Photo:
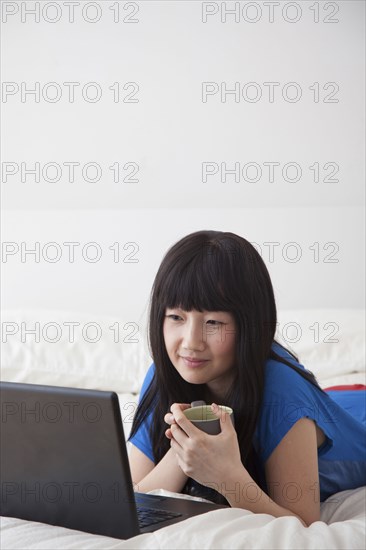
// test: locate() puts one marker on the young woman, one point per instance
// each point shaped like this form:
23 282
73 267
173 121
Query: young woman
211 332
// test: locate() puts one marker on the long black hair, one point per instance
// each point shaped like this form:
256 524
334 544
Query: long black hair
214 271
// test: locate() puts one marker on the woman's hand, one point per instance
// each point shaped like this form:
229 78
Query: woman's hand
169 417
206 458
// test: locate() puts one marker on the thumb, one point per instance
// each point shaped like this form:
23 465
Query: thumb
225 421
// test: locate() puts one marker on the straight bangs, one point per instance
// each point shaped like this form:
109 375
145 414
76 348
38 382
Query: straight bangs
200 283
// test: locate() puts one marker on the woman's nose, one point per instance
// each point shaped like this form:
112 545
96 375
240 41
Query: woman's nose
193 337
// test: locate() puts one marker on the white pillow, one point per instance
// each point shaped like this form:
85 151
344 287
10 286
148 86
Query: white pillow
105 364
97 357
328 342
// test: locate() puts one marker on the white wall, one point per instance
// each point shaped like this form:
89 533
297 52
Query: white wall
334 278
169 133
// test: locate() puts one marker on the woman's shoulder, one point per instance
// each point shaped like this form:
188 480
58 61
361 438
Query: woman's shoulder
280 378
284 353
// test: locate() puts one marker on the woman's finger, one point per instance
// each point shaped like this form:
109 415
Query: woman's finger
169 418
182 406
176 436
183 422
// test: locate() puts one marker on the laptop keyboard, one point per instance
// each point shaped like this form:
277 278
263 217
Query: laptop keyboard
149 516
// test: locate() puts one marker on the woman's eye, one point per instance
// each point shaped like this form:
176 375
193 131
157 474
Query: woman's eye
212 321
173 317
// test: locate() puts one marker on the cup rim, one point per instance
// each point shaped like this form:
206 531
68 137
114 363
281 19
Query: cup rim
225 407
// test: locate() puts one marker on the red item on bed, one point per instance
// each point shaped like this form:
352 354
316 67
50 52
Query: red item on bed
347 387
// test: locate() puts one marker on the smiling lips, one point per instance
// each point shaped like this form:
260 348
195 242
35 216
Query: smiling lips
193 362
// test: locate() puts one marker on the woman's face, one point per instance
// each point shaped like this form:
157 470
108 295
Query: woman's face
201 346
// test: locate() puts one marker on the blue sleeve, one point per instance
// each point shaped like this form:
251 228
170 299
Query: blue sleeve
287 398
141 439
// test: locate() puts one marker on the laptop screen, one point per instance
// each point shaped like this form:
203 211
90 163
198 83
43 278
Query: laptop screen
64 459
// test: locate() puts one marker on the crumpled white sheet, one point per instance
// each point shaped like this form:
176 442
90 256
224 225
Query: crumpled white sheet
342 526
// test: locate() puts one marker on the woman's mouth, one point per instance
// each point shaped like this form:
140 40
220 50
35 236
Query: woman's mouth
190 362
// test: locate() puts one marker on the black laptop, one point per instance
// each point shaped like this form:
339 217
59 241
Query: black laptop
64 462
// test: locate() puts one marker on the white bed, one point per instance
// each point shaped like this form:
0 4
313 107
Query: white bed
328 342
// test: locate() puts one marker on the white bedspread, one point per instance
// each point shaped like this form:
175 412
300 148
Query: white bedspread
342 526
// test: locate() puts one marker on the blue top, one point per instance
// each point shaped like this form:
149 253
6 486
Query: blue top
341 414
